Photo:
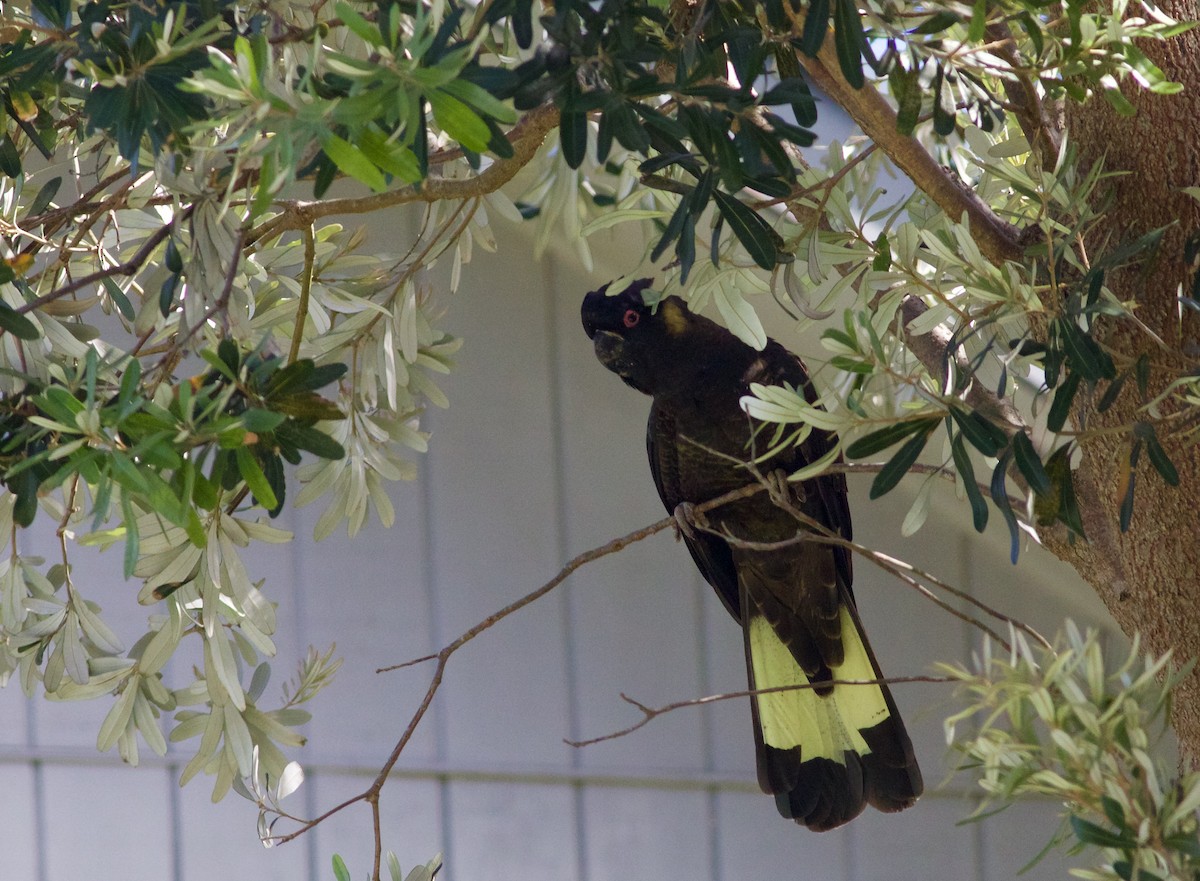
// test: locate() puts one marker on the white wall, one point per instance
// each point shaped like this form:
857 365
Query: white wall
539 457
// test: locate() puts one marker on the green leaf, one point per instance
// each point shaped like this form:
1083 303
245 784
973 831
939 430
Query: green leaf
256 480
847 37
882 438
1030 463
1000 500
1110 394
310 440
751 230
261 421
480 99
673 229
899 464
1119 102
460 122
966 473
16 324
119 299
905 86
353 161
393 158
983 434
1158 456
362 28
816 23
1083 352
572 136
1061 408
978 21
1113 810
166 294
944 118
340 872
10 159
794 91
1090 833
45 194
131 535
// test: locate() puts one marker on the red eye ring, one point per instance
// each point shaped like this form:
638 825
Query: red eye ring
631 317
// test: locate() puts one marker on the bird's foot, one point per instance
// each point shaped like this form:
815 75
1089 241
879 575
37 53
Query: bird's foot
688 520
781 491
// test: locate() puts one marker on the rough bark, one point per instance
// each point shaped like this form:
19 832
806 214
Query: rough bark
1149 577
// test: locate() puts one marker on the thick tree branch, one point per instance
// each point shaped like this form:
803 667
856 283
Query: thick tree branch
933 351
997 239
1041 129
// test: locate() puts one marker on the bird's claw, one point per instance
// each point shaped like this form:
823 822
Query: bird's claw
780 489
687 521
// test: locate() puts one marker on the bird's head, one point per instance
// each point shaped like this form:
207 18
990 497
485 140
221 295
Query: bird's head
633 337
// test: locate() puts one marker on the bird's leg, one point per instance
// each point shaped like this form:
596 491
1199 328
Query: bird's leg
688 520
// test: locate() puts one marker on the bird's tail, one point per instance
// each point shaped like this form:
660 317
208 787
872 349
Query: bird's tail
825 754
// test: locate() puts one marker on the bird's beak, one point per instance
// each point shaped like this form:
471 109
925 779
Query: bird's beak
608 347
590 311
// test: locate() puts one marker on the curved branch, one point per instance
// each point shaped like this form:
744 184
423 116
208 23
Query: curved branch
997 239
526 138
650 713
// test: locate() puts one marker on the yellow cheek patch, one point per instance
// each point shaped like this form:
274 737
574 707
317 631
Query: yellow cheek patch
673 317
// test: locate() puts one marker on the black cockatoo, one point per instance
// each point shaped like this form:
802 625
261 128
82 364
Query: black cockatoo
825 752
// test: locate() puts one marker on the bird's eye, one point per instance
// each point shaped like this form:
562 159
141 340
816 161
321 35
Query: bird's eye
632 317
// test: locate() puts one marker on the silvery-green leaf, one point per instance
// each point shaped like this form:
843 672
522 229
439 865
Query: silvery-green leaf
237 737
740 317
226 774
12 596
265 532
252 641
69 690
289 781
251 601
127 747
147 723
915 518
258 682
271 728
118 718
75 655
163 644
220 671
175 566
55 669
100 634
209 743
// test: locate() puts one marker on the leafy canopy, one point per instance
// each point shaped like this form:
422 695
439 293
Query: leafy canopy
177 326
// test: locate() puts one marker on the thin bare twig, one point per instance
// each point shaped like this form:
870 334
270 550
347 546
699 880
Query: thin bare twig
125 267
371 793
649 713
310 259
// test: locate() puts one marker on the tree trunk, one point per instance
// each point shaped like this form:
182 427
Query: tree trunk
1149 576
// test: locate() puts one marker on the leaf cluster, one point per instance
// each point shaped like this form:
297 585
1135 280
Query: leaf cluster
247 415
1064 723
